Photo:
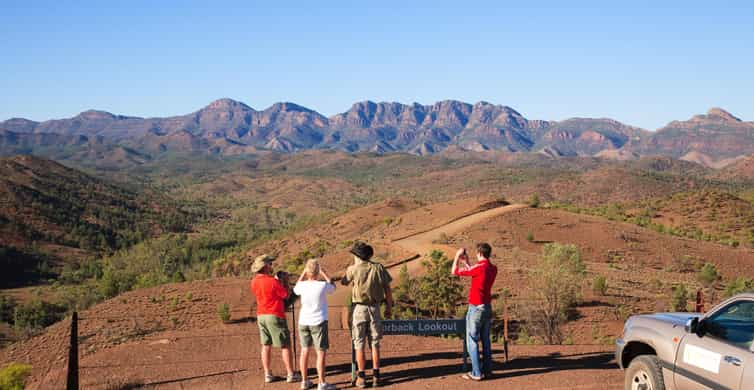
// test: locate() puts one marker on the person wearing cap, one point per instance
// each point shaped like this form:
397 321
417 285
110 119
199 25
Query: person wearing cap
271 293
312 323
371 287
479 314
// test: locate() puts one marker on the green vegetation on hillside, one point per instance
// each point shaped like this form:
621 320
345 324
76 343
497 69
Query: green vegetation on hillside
706 215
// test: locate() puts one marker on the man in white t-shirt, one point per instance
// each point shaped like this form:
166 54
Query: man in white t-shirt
312 323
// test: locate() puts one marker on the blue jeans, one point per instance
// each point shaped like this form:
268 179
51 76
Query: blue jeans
478 327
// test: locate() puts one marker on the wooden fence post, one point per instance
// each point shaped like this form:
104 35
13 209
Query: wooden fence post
505 330
699 301
73 354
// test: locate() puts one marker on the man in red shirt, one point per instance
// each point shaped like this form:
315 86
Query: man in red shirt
478 317
271 292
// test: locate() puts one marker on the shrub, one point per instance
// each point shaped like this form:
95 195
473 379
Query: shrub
442 239
599 285
13 376
534 201
189 297
708 275
738 285
679 298
530 237
556 284
223 312
7 306
36 315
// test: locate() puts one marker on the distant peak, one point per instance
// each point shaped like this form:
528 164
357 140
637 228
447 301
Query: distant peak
226 104
288 107
96 114
722 114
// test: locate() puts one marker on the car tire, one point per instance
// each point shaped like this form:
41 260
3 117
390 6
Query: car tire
644 373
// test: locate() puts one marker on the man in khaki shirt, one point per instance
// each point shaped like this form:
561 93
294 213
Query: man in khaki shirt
371 287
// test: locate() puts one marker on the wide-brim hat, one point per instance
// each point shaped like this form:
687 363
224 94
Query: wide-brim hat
261 261
362 250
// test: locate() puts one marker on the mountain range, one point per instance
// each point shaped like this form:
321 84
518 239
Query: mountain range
229 127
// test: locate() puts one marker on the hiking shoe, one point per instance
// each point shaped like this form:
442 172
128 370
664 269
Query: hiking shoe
269 378
470 377
293 378
376 381
306 384
325 386
361 383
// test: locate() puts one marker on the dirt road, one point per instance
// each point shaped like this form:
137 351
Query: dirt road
423 243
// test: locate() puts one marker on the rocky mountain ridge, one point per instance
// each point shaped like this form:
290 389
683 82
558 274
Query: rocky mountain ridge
229 127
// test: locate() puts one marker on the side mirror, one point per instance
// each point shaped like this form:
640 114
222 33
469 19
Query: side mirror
692 325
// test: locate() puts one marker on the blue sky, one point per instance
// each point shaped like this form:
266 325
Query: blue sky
637 62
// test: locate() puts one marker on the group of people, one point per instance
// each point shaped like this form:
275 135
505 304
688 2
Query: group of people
370 288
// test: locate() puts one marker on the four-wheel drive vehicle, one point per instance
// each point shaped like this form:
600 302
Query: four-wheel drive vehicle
690 350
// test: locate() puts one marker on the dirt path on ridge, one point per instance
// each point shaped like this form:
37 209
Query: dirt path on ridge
423 243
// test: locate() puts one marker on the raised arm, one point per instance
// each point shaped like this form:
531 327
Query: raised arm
330 286
460 258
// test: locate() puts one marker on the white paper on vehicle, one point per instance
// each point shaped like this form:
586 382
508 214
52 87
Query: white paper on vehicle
702 358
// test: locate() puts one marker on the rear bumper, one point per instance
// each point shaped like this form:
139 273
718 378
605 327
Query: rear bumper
619 345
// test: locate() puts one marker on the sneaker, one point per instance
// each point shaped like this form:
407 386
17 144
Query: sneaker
293 378
376 381
269 378
306 384
325 386
470 376
361 383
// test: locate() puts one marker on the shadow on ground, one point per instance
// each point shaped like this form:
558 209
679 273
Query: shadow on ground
521 366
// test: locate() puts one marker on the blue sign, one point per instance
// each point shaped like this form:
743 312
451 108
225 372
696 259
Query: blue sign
423 327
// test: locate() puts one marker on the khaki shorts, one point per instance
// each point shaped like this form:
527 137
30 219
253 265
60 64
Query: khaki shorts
315 335
273 330
367 323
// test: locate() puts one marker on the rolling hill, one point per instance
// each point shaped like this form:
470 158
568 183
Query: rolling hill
55 214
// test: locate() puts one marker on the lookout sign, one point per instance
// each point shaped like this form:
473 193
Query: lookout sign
419 328
423 327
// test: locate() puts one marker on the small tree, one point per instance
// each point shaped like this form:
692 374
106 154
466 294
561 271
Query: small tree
599 285
534 201
555 284
439 291
405 294
679 298
708 275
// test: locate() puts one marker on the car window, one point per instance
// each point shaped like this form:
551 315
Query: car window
734 324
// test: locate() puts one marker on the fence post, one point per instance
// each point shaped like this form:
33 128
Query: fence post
465 353
354 368
293 339
505 330
699 301
73 354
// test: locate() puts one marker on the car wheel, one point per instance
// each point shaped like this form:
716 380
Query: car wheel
644 373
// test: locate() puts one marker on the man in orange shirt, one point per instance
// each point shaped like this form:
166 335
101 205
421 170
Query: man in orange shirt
271 293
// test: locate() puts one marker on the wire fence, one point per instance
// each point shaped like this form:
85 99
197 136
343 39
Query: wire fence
95 332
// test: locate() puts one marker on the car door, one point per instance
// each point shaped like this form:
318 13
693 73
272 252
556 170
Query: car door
717 359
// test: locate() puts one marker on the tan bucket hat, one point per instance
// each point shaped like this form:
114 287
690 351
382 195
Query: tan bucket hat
261 261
